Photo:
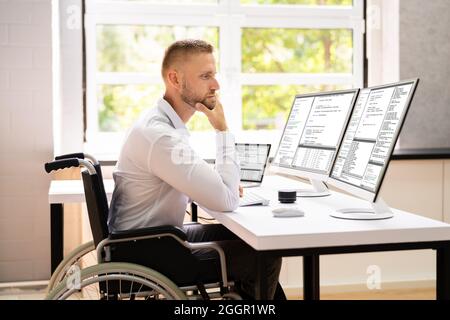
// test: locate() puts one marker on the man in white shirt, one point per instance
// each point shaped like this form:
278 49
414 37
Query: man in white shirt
158 173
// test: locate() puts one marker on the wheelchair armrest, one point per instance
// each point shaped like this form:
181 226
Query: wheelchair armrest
151 231
167 230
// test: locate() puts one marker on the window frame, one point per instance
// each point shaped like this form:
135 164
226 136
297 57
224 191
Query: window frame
229 16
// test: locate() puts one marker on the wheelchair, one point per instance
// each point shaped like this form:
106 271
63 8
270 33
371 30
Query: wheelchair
153 263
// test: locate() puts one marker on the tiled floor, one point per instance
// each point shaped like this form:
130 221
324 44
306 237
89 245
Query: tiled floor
22 294
398 294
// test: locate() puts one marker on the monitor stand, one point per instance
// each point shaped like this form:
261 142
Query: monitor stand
319 189
379 211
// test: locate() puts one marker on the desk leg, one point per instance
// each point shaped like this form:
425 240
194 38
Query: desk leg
311 277
194 214
443 273
261 284
56 234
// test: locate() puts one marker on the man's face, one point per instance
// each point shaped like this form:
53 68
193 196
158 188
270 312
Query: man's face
198 80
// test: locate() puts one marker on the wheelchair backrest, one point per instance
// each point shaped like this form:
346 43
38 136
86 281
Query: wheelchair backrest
97 204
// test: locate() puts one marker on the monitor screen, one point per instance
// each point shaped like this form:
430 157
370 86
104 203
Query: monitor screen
253 159
314 130
371 135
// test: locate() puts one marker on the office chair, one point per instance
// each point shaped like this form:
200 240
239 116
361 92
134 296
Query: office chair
150 263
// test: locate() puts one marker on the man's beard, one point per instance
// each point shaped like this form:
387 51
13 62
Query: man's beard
191 99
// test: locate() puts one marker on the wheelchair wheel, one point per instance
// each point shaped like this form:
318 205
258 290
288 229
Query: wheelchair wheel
74 258
118 281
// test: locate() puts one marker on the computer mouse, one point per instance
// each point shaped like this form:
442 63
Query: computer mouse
286 212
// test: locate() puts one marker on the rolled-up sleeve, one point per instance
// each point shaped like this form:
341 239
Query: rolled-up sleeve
173 160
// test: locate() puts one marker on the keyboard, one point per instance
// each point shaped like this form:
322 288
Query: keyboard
250 199
248 184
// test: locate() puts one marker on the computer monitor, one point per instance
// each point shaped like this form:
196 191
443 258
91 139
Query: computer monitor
368 143
311 137
253 158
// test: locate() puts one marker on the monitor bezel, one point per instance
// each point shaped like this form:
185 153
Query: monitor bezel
358 191
277 168
265 163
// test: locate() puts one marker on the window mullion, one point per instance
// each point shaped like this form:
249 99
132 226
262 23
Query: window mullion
92 128
358 8
230 44
258 79
156 19
127 78
145 8
296 23
358 53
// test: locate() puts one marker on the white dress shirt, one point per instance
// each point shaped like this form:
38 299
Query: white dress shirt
158 172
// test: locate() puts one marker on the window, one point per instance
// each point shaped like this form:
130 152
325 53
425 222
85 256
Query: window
267 51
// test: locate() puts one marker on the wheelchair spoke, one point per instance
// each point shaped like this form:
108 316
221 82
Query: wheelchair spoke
107 288
139 290
131 288
120 289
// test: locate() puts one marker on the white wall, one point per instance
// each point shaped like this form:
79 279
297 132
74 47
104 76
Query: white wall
409 39
425 53
25 138
383 41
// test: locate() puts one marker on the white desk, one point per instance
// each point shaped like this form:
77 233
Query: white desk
71 191
318 233
311 236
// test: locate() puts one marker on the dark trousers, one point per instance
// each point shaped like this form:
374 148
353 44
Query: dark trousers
240 257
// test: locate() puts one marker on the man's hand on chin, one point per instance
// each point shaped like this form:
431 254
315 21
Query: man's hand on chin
215 116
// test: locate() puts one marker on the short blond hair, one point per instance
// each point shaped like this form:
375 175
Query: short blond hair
182 48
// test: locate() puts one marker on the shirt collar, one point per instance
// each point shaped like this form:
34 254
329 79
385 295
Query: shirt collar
166 108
